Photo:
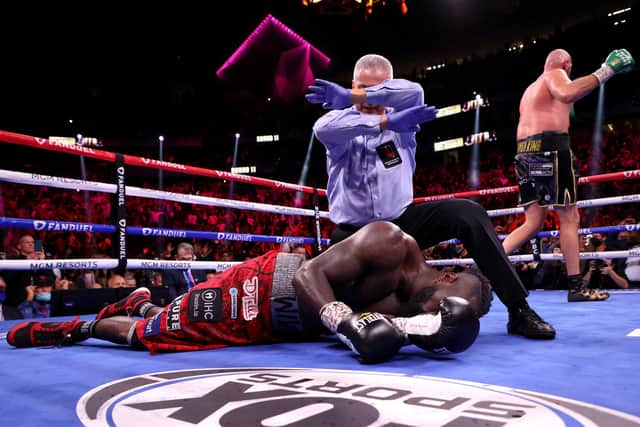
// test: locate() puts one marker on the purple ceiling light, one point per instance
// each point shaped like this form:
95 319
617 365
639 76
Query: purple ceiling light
275 53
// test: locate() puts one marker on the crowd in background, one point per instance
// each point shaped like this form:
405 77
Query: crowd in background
618 149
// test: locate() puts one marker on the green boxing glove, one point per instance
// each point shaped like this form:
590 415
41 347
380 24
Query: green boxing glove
618 61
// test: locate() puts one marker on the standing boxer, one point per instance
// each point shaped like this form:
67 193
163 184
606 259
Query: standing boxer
544 164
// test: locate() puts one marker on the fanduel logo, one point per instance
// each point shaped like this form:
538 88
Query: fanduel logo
234 236
319 397
282 239
163 232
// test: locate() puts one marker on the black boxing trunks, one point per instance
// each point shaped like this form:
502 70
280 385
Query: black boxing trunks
546 170
250 303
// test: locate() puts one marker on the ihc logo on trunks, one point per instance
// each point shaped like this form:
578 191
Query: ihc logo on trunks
321 397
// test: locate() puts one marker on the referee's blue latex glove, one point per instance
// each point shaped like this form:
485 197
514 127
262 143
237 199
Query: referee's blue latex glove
329 94
409 120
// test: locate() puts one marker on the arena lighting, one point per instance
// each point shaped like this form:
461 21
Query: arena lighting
89 142
67 140
473 139
268 138
243 169
472 104
268 23
352 6
78 140
474 165
619 11
434 67
596 149
287 62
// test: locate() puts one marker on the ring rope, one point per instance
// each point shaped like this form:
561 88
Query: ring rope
543 257
146 264
78 184
110 263
43 143
581 231
46 144
152 163
604 201
607 177
70 226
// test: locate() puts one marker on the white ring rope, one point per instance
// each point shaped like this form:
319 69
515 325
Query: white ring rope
110 263
152 264
631 198
78 184
543 257
91 263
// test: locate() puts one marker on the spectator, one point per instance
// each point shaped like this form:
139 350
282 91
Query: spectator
632 267
18 280
180 281
156 279
551 274
604 273
7 312
117 281
130 279
38 301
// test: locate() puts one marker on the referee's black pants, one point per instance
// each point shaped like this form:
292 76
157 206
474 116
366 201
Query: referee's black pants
433 222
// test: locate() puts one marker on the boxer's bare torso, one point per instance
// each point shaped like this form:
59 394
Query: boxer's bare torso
540 111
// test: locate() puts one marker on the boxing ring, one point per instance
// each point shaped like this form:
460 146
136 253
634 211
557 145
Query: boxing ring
587 376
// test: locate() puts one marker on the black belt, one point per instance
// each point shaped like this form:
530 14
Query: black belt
545 141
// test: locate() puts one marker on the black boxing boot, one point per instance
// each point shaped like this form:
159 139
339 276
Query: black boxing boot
526 322
578 291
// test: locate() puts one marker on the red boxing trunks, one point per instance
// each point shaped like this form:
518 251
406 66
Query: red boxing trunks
250 303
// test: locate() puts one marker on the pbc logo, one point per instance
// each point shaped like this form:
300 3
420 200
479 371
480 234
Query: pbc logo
250 299
145 160
146 231
41 141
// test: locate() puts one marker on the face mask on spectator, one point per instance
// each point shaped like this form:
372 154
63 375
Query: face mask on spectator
596 242
43 297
